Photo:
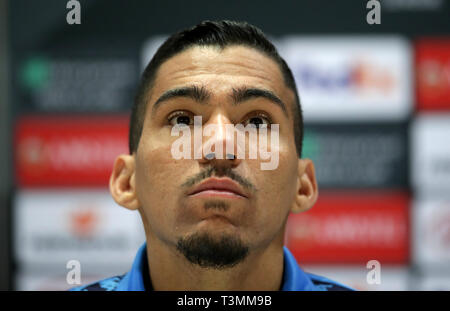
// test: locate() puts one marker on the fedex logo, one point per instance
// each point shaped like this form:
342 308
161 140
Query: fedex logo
358 77
351 78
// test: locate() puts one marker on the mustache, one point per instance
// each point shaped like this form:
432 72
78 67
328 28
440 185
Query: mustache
219 172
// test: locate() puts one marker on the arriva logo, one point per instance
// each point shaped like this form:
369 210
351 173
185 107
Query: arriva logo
358 77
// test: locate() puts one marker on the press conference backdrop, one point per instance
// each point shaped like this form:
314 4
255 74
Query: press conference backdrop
376 101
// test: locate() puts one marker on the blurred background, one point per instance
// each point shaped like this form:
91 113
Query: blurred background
376 102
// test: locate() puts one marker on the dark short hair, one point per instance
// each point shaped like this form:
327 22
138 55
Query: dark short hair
220 34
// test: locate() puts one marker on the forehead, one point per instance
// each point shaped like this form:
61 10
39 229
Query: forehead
220 70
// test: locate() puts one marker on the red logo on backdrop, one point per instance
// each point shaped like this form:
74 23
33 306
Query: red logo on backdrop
351 227
433 74
68 151
83 223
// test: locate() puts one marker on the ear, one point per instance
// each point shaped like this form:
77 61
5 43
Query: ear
122 182
307 190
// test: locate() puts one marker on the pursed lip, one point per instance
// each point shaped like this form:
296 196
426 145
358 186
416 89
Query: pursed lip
218 186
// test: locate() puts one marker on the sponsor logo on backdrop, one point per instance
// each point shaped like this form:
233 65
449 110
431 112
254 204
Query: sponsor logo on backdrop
351 227
84 222
360 77
54 226
68 151
358 156
351 78
430 165
440 228
432 233
433 73
53 83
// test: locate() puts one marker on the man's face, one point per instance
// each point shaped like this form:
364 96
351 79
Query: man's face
164 185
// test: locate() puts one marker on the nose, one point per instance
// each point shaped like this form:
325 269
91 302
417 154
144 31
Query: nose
219 146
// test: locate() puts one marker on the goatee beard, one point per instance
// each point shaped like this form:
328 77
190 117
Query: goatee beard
207 251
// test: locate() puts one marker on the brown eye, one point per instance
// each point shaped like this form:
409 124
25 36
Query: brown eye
258 120
180 118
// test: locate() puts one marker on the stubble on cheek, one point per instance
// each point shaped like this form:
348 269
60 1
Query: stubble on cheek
157 172
157 178
276 195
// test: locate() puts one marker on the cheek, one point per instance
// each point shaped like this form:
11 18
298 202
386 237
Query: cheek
279 182
276 189
157 179
156 163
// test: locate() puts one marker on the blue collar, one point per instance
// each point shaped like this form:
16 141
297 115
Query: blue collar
294 279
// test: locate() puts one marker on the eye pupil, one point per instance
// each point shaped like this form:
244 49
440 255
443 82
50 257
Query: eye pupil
183 120
256 121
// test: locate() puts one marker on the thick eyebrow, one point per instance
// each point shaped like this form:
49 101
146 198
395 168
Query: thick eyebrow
244 93
199 94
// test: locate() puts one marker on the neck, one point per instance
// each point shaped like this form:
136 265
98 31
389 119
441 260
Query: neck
262 269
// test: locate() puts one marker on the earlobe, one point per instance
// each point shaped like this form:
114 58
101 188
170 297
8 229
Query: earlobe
122 182
307 189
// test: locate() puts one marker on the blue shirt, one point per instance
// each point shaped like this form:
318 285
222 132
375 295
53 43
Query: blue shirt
138 278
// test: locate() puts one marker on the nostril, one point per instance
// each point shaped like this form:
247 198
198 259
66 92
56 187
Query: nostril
212 156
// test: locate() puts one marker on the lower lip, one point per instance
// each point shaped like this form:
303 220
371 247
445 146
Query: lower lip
218 193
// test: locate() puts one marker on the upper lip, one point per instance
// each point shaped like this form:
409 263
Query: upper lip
224 184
